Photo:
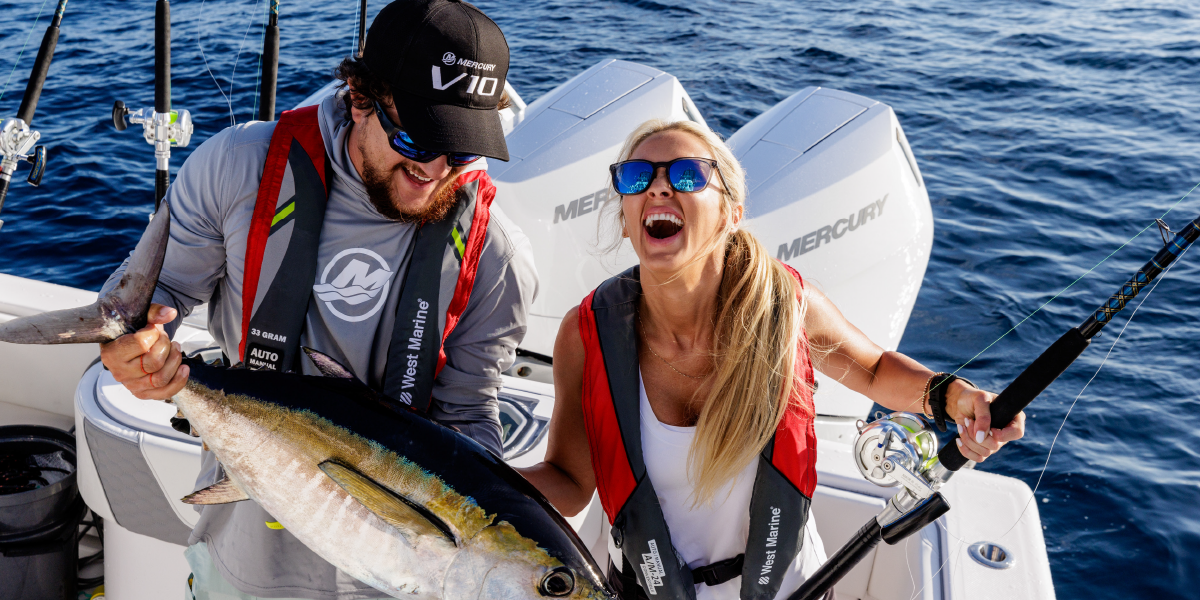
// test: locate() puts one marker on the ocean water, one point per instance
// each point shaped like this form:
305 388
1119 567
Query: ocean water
1048 133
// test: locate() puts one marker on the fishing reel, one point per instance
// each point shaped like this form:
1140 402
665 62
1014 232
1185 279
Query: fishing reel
895 449
17 143
174 128
900 449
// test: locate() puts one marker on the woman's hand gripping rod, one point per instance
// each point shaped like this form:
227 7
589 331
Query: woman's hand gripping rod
896 450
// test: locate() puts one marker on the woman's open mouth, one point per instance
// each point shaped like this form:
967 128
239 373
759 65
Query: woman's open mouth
661 226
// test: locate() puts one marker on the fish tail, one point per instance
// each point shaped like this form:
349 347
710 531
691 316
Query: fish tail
122 310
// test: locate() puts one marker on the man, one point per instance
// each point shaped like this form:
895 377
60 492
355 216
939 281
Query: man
360 228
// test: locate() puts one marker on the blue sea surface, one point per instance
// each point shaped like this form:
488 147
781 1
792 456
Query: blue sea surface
1048 133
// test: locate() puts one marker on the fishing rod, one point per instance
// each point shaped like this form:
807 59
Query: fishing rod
270 65
162 127
900 449
362 27
17 140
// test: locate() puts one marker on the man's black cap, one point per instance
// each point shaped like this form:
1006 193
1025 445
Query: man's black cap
446 63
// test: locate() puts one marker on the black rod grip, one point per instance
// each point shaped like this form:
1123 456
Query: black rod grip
1035 378
3 191
270 72
162 179
162 57
841 563
37 77
916 519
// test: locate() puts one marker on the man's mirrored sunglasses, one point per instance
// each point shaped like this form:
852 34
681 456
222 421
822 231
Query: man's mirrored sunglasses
404 145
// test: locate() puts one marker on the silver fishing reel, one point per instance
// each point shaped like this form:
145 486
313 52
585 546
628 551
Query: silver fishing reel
900 450
897 449
170 129
17 143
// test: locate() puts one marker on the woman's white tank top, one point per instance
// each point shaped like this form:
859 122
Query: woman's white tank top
706 534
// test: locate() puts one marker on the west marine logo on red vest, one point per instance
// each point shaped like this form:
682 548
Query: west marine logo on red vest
783 484
286 230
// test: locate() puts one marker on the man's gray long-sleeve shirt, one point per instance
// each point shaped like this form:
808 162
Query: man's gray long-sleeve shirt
212 200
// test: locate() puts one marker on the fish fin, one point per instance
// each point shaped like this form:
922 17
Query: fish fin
122 310
327 365
412 520
86 324
221 492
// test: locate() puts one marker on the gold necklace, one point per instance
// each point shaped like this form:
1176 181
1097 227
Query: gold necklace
646 340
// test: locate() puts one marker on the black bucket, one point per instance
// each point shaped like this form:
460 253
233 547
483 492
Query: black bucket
40 511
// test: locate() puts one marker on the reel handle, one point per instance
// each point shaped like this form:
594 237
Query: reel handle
38 160
118 116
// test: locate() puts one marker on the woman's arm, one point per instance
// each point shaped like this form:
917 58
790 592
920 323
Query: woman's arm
841 351
566 477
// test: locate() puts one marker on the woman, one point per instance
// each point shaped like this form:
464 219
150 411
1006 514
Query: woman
690 377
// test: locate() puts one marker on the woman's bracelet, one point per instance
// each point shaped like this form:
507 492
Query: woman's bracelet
937 387
925 399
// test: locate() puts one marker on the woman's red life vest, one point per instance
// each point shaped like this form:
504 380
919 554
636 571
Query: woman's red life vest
783 485
281 262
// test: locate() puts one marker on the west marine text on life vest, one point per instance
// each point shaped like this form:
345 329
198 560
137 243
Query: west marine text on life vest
409 379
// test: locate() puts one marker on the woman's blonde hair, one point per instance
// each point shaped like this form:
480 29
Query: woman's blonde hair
759 324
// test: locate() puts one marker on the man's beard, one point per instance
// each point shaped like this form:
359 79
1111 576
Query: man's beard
379 190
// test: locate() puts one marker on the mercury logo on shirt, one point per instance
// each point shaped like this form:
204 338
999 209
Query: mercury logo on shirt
360 288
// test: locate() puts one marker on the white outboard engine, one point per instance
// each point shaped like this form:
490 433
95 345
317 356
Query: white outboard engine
834 191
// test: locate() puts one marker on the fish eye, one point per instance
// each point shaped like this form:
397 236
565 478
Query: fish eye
558 582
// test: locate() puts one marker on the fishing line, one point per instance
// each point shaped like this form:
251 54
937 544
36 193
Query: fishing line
233 76
920 399
22 52
199 34
1077 280
932 576
1042 474
1049 454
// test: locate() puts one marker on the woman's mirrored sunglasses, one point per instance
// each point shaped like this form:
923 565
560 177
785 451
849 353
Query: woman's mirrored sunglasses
404 145
684 174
